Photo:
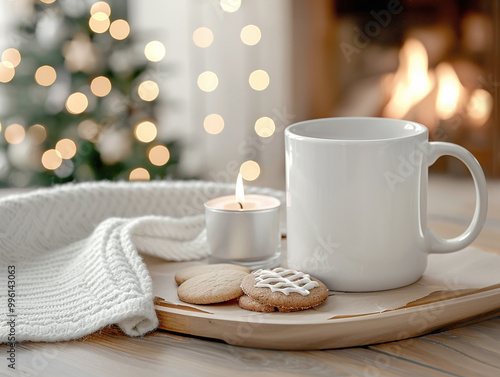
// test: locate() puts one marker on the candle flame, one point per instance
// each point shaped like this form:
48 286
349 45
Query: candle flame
240 192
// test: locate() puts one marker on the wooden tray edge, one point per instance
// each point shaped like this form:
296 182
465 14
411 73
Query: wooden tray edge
259 332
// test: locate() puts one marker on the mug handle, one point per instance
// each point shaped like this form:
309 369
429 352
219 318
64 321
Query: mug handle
436 244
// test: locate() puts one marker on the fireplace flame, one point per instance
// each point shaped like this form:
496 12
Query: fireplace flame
411 82
449 91
429 96
479 107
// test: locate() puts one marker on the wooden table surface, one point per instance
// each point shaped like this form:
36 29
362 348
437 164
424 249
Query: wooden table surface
472 350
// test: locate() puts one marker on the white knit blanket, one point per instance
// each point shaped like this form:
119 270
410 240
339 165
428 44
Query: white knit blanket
75 248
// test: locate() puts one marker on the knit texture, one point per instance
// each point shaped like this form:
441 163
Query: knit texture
75 251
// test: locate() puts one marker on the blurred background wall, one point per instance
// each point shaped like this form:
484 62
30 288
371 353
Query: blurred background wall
164 89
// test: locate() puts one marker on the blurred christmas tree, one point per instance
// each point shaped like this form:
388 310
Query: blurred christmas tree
80 100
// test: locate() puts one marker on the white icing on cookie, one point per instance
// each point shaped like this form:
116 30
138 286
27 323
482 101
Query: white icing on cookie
284 280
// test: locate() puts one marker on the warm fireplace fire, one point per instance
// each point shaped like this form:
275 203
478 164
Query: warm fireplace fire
431 96
437 63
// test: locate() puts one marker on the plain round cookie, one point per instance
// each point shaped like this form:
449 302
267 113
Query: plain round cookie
190 272
248 303
292 301
212 287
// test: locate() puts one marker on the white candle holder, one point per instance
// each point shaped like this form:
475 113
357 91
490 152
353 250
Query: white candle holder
246 236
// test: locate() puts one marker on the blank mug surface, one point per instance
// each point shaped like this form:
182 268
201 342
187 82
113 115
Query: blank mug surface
356 201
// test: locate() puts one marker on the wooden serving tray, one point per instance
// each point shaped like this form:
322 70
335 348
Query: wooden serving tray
325 326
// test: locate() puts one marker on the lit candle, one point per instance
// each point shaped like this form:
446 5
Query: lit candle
244 229
242 202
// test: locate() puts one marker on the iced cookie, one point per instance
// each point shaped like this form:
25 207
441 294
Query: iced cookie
284 288
212 287
189 272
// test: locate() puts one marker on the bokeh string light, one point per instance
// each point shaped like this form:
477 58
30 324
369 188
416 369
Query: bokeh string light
99 22
100 86
203 37
7 71
77 103
265 127
145 131
88 130
250 35
45 75
259 80
154 51
159 155
100 6
13 56
51 159
250 170
208 81
213 124
66 148
230 6
119 29
37 134
14 133
148 90
139 174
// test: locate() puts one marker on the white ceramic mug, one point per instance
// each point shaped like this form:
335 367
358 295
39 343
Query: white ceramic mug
357 201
